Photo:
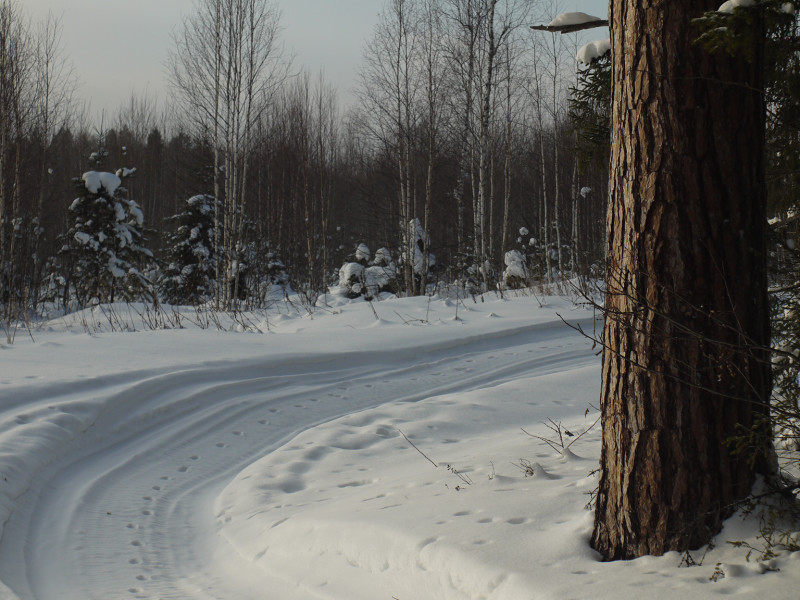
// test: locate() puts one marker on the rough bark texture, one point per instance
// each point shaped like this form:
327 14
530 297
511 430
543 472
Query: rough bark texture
684 366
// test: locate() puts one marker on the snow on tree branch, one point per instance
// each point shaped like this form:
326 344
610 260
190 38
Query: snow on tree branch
571 22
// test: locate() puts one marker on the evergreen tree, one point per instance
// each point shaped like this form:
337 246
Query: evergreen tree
189 255
103 252
590 110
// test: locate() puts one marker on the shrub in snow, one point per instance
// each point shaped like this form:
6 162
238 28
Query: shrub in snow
515 275
351 279
367 279
103 255
469 275
266 273
189 260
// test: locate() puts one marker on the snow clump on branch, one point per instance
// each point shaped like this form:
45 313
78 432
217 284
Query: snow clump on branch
572 18
593 50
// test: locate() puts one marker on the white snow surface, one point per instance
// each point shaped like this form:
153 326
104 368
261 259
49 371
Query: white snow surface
572 18
592 51
206 464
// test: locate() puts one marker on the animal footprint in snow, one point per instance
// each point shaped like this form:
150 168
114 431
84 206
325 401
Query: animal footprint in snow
239 433
183 469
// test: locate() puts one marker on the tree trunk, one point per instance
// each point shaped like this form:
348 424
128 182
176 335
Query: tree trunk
685 365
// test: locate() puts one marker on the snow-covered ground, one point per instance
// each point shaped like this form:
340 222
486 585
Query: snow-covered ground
343 454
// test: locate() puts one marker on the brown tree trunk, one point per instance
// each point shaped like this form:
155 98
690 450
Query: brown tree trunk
684 368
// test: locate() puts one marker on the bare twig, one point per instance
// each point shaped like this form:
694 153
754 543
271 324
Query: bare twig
418 450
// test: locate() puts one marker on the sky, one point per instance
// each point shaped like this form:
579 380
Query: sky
120 46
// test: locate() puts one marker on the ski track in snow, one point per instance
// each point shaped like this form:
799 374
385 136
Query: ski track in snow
103 517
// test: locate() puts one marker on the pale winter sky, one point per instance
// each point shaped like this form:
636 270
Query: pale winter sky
120 46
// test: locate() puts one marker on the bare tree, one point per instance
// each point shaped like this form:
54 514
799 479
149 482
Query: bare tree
16 63
226 66
390 85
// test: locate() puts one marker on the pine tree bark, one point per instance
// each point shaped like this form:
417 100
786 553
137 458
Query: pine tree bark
685 368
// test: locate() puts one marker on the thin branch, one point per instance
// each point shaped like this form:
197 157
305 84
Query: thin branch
418 450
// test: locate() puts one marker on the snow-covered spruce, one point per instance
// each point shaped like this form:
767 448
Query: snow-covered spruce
103 255
190 263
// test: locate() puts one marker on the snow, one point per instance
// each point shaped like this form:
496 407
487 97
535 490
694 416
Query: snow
362 252
593 51
202 463
125 172
84 239
572 18
94 180
730 5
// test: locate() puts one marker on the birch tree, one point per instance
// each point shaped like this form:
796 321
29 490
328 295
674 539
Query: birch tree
226 66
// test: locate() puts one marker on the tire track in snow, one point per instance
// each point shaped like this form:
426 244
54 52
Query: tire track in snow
127 509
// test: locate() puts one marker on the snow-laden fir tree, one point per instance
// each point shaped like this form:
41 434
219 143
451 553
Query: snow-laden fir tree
103 255
189 258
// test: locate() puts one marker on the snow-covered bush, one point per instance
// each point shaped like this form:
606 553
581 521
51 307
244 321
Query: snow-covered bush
515 275
267 273
103 256
189 262
368 279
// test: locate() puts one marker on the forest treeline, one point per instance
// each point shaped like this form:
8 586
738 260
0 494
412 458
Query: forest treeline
458 150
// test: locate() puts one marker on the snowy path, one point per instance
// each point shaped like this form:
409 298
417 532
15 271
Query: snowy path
127 510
